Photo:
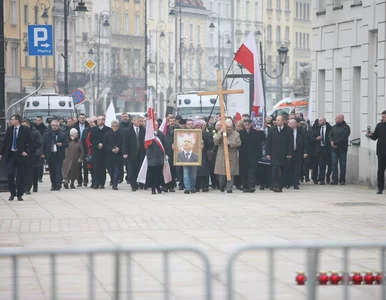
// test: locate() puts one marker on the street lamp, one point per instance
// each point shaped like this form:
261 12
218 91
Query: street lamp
103 21
213 17
81 7
172 13
160 27
42 5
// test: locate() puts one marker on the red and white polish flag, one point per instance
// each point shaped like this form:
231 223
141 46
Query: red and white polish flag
247 56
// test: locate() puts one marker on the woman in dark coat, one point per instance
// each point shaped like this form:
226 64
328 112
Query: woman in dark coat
203 171
73 156
114 157
155 160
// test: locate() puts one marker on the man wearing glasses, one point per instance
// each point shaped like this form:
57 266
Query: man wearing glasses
54 144
15 149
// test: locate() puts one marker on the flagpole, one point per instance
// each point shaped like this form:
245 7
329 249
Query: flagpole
262 78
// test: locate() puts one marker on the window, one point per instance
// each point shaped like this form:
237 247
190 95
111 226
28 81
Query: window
287 33
256 11
269 4
152 8
278 36
338 3
297 10
191 33
137 25
13 12
304 11
300 10
321 6
287 5
308 41
26 60
14 60
297 40
198 34
269 32
300 41
126 24
304 41
26 13
278 4
228 10
219 8
238 10
161 68
161 6
247 11
171 68
308 12
211 6
126 66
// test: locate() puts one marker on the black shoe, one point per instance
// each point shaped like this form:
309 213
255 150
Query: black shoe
205 190
379 192
222 190
72 186
277 190
333 183
58 187
111 183
79 185
35 189
181 188
115 188
141 187
296 187
342 183
328 180
20 198
186 192
53 188
153 191
261 188
172 191
40 180
287 186
65 184
95 187
102 187
229 191
134 189
11 197
159 190
322 183
28 192
193 191
85 184
307 179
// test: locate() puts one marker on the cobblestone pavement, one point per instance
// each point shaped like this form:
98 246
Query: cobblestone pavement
215 222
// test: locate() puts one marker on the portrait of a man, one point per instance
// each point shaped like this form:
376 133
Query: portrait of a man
187 151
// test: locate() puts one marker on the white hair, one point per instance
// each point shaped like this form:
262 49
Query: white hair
73 131
228 122
114 122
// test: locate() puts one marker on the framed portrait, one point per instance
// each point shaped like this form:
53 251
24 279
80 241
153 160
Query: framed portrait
187 145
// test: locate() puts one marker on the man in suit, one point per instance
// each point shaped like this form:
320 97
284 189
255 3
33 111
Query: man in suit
125 121
39 125
97 139
279 150
81 125
250 152
15 150
300 152
134 150
323 150
55 142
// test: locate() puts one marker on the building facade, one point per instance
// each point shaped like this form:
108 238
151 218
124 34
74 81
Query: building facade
348 74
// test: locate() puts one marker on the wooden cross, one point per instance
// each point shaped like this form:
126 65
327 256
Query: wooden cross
220 92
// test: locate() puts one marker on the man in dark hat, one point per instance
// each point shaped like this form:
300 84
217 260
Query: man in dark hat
250 152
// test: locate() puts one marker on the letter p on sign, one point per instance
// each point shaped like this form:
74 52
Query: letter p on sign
42 38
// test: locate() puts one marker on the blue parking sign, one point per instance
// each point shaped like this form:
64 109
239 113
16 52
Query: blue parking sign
40 40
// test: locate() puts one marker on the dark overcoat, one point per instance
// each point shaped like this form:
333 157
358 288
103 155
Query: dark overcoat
280 145
114 139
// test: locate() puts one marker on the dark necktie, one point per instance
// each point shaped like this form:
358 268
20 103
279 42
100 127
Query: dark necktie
15 139
187 156
137 134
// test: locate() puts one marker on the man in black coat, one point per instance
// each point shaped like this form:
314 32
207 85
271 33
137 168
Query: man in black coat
300 152
81 125
15 150
169 141
279 150
55 142
31 173
380 135
97 139
134 150
322 150
250 152
39 125
125 121
338 139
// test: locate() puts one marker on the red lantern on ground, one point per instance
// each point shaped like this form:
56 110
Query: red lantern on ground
369 278
378 278
335 278
357 278
323 278
301 278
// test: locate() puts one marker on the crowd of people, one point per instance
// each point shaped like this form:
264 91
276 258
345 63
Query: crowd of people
281 155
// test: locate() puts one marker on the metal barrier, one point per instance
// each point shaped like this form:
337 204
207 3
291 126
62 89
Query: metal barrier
15 254
312 251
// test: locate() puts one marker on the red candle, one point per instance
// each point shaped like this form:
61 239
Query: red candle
335 278
357 278
369 278
301 278
378 278
323 278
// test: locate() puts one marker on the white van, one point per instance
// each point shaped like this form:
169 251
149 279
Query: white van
189 105
48 106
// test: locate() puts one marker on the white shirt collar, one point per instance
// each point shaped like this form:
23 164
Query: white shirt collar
101 127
